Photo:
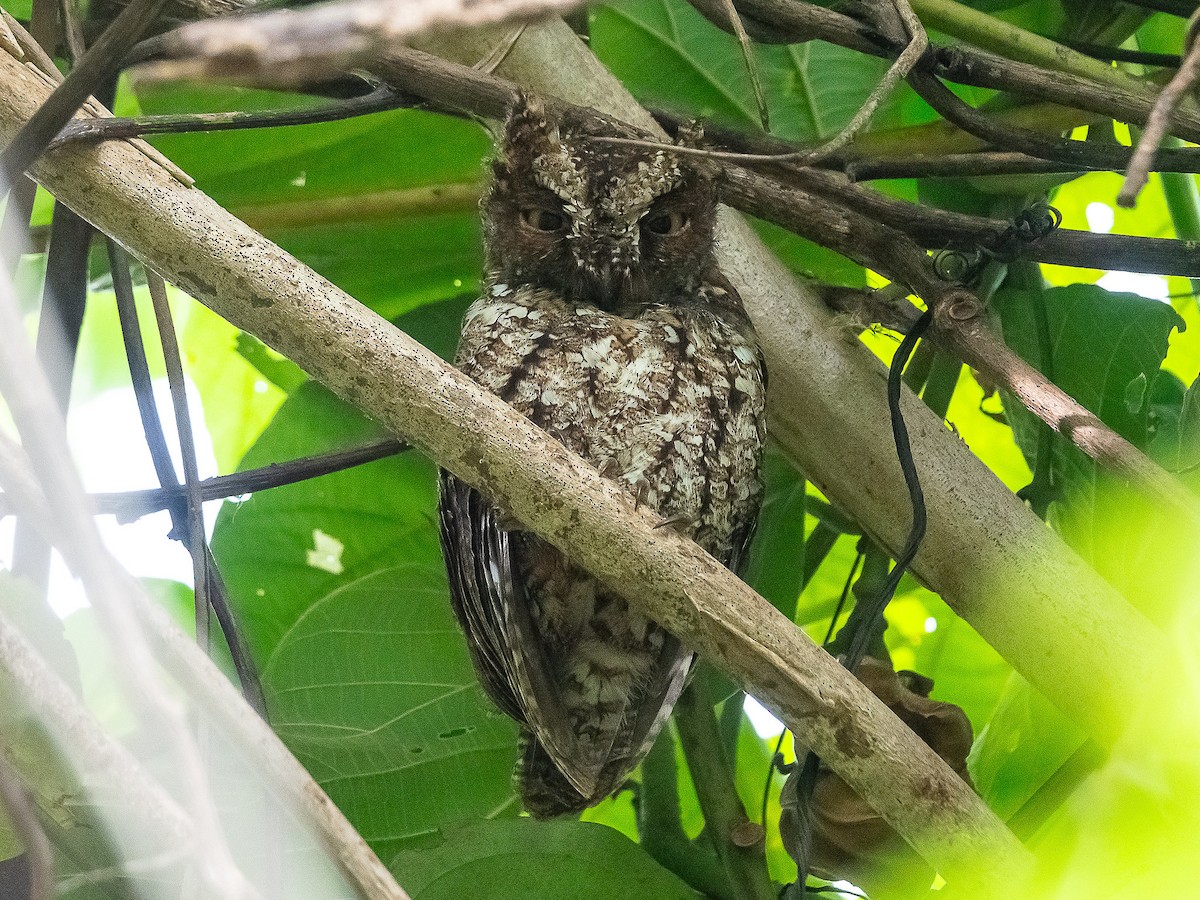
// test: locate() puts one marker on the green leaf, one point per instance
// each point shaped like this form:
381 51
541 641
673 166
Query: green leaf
238 401
284 549
666 52
524 860
277 369
374 692
390 263
19 9
1024 743
776 564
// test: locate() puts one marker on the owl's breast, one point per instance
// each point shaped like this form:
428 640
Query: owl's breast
671 403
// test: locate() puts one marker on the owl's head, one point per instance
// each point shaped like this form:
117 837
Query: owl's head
610 225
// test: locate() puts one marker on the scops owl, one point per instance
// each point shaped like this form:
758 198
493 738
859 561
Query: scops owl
604 320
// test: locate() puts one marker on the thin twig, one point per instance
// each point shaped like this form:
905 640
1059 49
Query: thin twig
143 386
492 61
918 41
743 39
194 536
1159 123
210 590
1062 150
737 841
24 820
101 61
1120 54
86 130
128 506
957 165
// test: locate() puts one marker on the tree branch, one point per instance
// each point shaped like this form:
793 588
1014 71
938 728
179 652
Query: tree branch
1159 122
472 433
300 45
15 800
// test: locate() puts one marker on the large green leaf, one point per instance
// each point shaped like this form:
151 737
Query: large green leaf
391 263
373 690
1024 743
525 860
282 550
1105 350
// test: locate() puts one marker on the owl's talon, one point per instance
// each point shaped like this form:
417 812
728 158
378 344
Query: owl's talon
677 519
609 467
641 490
507 522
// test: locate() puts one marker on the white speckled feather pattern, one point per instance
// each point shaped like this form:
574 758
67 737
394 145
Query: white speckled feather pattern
648 368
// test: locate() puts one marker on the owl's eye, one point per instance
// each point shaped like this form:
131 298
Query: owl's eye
541 219
667 222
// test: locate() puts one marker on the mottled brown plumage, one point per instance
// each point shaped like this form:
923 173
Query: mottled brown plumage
605 320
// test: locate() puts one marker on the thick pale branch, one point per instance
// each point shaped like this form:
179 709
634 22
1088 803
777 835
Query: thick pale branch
998 565
179 654
115 779
258 287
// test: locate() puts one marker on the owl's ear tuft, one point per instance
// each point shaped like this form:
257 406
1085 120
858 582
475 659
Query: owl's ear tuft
690 134
527 125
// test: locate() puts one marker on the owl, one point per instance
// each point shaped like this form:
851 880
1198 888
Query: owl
605 320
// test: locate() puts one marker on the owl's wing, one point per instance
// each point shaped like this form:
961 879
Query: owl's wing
507 652
670 679
675 663
743 536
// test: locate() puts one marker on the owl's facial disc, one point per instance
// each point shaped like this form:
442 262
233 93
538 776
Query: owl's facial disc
602 224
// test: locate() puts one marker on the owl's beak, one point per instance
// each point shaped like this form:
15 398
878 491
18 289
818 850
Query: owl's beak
606 286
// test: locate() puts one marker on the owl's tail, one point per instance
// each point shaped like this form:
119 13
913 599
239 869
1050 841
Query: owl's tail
544 790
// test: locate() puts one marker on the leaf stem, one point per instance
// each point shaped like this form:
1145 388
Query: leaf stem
725 818
660 827
1002 37
1183 202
